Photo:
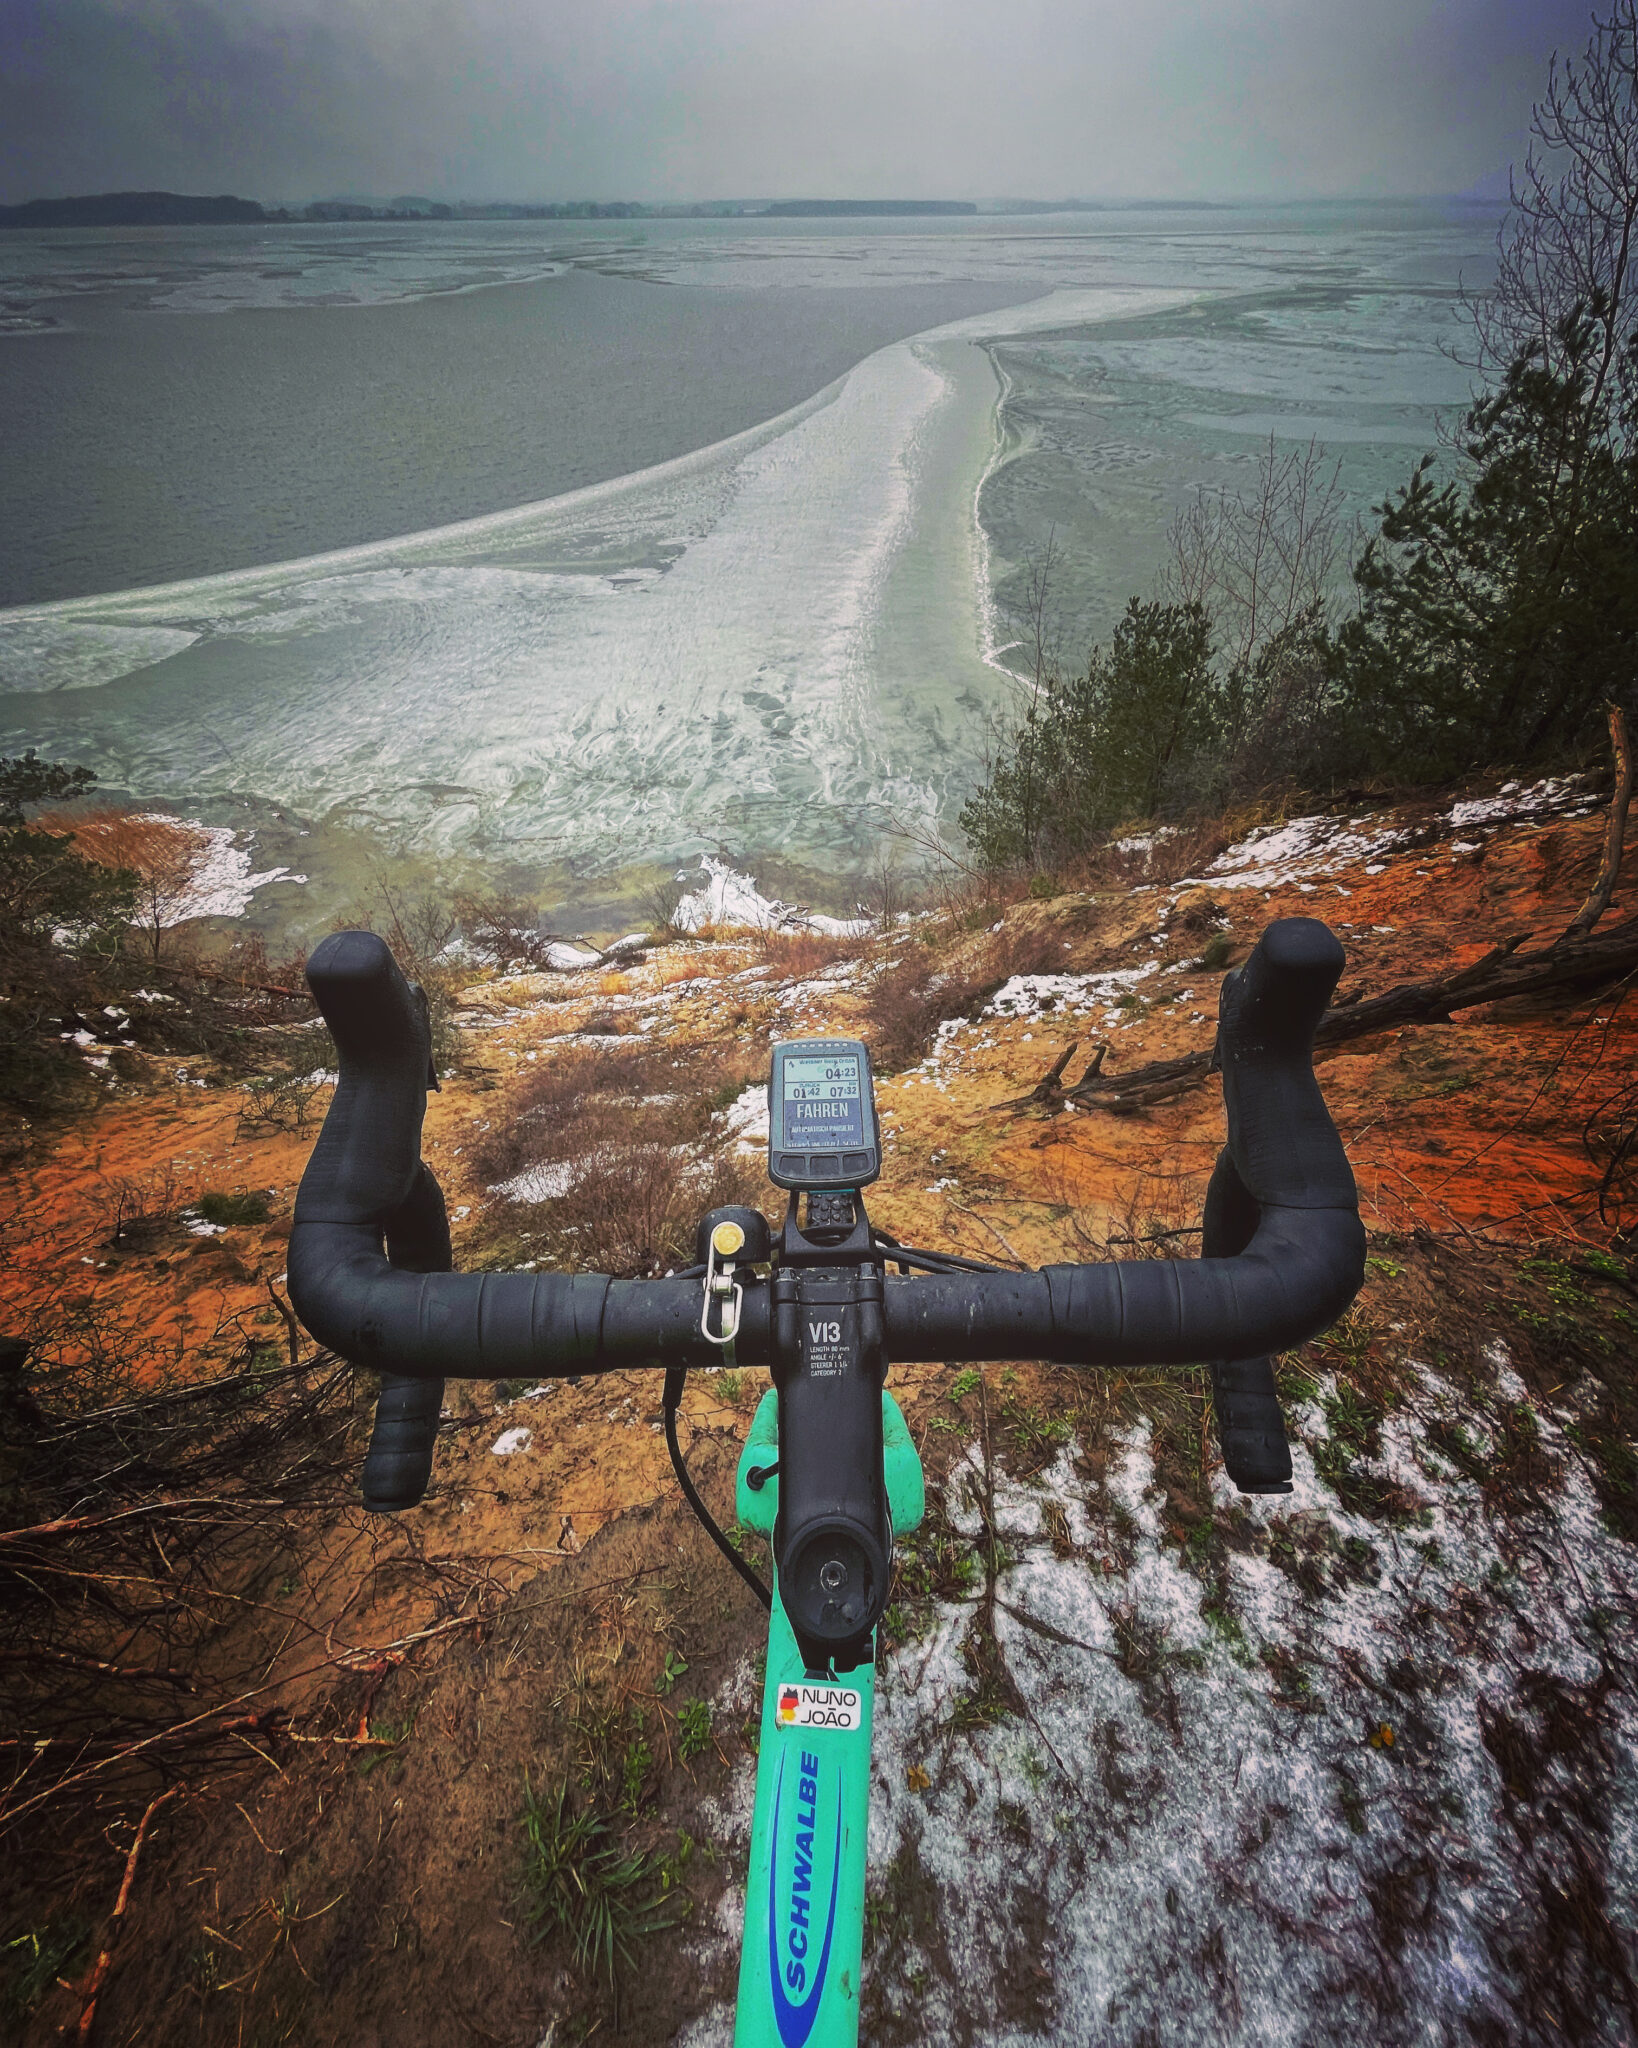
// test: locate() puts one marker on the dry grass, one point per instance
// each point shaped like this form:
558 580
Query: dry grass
630 1151
912 996
1172 855
796 953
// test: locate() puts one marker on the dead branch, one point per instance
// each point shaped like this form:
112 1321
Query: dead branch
1502 974
198 973
69 1524
36 1653
98 1974
288 1316
1049 1090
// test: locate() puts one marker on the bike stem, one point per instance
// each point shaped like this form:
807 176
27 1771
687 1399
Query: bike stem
833 1540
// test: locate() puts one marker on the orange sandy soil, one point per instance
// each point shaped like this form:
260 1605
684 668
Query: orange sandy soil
1472 1124
1463 1127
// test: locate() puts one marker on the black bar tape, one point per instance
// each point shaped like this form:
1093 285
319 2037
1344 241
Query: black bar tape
398 1463
1245 1405
366 1197
1250 1427
1285 1193
1288 1253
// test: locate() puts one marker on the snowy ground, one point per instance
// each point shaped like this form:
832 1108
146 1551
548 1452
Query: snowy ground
1308 849
1333 1779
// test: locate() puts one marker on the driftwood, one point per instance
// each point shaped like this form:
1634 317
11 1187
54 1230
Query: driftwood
1577 957
1050 1092
1503 972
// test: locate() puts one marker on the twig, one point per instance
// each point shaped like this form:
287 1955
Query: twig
66 1525
1050 1088
292 1327
98 1975
983 1224
261 988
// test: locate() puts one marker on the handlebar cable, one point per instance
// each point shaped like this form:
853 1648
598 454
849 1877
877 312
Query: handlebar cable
905 1256
676 1377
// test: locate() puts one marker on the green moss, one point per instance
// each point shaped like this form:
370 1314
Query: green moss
232 1210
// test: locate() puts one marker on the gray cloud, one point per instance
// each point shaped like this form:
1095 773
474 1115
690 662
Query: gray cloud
684 99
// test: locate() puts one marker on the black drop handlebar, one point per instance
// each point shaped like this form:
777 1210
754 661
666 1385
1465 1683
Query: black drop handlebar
1284 1250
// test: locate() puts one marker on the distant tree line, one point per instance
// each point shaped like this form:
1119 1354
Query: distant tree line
1487 618
186 210
182 209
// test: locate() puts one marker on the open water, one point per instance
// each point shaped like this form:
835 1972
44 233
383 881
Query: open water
506 544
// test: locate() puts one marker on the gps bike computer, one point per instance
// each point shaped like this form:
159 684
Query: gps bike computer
822 1128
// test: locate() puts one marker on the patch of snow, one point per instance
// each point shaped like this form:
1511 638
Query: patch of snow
1025 994
747 1118
220 883
1274 855
538 1184
730 898
566 958
1540 800
511 1441
1193 1793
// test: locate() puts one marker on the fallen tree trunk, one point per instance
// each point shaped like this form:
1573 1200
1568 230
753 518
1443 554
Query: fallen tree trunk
1502 973
1576 958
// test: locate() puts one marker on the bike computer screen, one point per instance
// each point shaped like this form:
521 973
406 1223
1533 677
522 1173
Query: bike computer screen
822 1129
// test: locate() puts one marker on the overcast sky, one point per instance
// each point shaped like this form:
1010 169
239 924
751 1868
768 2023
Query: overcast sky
698 99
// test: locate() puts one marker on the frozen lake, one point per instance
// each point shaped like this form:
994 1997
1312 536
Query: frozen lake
776 643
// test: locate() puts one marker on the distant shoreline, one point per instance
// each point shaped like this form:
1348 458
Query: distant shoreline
181 209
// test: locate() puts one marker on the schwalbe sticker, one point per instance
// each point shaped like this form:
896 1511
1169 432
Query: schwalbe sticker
797 1976
816 1708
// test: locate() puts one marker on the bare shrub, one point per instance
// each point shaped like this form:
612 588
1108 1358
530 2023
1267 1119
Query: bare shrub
661 906
163 855
1188 850
631 1207
799 952
139 1625
419 929
135 1209
1156 1216
1263 563
508 929
889 893
281 1100
912 996
616 1151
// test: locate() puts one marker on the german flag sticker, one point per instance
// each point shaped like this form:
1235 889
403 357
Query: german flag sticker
787 1704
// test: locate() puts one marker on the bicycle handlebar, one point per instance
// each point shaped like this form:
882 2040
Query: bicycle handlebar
1284 1249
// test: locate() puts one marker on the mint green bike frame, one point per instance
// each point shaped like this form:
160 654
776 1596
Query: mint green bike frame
805 1890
